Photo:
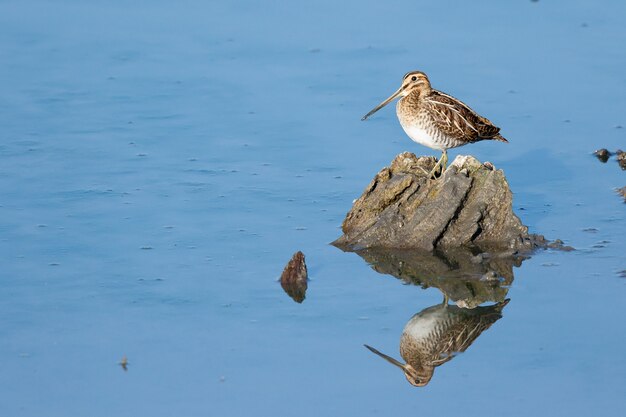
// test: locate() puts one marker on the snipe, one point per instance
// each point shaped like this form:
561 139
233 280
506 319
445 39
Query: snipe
437 120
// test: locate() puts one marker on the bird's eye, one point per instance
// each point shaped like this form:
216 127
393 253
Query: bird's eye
413 78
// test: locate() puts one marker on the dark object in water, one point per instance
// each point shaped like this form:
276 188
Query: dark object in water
470 206
602 155
294 277
124 363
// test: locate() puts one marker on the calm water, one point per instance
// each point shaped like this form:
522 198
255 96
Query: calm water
161 162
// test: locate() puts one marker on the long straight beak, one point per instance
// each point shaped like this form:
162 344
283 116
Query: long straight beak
387 358
384 103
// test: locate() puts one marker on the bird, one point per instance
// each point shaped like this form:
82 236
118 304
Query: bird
437 120
436 334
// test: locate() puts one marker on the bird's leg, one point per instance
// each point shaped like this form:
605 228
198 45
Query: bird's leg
431 174
445 300
428 174
440 163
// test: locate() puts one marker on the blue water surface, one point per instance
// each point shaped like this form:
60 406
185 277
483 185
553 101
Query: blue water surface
160 162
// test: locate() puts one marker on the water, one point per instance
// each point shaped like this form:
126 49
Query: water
160 163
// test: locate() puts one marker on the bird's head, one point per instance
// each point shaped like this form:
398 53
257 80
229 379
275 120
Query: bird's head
414 81
416 377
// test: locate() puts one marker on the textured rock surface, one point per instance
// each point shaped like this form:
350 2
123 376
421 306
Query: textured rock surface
294 277
470 206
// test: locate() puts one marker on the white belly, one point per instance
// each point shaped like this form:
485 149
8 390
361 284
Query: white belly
423 324
422 137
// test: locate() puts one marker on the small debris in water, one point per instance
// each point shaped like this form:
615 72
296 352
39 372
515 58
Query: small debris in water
602 155
124 363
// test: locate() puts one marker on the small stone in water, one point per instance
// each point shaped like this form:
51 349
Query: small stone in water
294 277
602 155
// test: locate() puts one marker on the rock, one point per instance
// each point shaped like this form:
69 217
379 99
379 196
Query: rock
294 277
621 159
470 206
602 155
559 245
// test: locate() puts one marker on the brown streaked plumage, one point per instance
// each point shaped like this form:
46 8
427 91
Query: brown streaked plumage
435 335
435 119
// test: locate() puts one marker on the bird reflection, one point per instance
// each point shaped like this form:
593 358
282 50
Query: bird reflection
436 334
467 277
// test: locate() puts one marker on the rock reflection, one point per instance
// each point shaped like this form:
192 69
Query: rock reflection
465 277
434 335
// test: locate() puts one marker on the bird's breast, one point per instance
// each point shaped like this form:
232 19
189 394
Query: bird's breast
422 325
415 125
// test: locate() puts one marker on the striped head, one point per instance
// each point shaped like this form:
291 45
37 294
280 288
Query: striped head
417 377
413 82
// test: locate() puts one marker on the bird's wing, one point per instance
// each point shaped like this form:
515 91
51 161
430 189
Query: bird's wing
457 119
462 333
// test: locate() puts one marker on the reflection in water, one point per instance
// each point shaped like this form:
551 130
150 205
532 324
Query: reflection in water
467 278
434 335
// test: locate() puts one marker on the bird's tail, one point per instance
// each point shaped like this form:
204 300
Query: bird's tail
500 138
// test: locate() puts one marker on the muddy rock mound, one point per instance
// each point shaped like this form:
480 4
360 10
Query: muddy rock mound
470 205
